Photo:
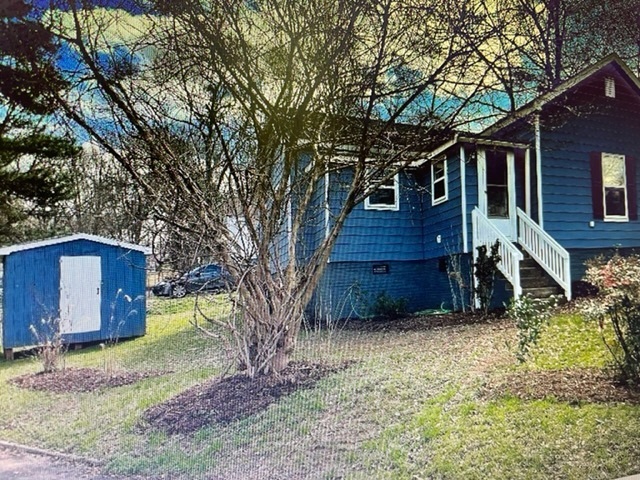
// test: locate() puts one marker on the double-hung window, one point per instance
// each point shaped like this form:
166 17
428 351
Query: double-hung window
439 187
386 196
614 187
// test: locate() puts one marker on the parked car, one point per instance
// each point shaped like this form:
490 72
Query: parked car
205 278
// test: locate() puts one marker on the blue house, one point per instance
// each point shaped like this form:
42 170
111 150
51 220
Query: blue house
92 288
554 182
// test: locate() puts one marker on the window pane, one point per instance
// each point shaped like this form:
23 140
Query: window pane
614 202
497 202
383 196
613 171
438 171
497 170
438 190
389 182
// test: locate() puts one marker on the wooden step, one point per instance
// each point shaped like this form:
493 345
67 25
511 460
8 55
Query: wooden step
537 281
541 292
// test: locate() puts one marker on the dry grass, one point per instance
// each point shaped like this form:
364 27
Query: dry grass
410 407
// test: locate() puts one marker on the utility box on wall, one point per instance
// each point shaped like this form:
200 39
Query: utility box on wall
91 287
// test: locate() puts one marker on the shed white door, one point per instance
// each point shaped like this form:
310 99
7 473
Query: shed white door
80 288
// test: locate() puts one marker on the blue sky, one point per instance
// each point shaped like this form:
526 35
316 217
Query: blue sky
129 5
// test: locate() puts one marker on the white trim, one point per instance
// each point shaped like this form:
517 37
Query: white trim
615 218
527 182
482 180
70 238
511 186
463 202
434 153
465 139
536 126
445 179
327 208
383 206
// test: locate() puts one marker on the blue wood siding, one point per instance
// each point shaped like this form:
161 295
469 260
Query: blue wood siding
579 258
370 235
566 178
348 289
444 219
313 228
32 288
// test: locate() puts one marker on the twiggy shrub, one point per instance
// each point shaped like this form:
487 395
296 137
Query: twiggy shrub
485 269
531 316
116 323
617 305
459 282
51 348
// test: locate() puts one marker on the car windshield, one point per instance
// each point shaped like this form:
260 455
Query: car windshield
204 269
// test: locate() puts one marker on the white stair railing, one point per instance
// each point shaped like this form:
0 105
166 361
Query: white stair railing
485 233
549 254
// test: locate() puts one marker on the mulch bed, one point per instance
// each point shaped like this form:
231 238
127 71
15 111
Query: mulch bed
420 323
571 385
232 398
78 380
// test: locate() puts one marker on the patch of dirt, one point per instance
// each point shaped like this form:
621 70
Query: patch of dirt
419 323
232 398
570 385
78 380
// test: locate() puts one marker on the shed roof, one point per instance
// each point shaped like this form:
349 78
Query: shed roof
70 238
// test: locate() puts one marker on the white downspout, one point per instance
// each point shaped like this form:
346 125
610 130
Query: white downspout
536 126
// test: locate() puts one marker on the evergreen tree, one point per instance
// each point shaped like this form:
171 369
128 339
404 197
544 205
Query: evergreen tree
32 181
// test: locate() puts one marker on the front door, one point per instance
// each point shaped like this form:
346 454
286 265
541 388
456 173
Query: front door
496 190
80 293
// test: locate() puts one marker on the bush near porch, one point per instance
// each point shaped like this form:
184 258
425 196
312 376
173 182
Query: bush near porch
418 402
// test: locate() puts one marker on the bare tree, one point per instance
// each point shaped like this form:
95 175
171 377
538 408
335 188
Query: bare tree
268 98
534 45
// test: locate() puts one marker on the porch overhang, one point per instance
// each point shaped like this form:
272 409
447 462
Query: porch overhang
466 139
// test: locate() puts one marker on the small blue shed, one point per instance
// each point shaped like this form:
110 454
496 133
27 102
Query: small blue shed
93 286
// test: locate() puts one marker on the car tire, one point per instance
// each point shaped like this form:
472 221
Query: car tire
179 291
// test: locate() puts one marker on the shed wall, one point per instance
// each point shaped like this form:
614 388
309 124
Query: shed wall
32 289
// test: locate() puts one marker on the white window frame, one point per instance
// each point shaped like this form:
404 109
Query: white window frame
444 178
385 206
615 218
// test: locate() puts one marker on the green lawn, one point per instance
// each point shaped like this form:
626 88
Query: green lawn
410 407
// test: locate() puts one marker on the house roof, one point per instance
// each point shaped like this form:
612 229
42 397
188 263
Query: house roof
486 137
537 103
70 238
